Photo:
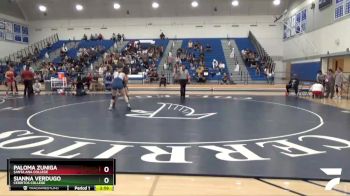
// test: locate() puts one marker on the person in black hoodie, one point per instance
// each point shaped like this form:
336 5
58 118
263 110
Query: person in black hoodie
293 84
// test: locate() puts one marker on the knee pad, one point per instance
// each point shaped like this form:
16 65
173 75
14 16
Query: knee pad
113 97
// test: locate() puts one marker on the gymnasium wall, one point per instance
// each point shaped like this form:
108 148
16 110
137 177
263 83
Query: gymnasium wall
333 38
179 27
7 47
323 33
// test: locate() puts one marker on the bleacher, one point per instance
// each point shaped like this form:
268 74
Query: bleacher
54 47
245 43
72 53
215 53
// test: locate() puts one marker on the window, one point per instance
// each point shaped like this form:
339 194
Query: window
347 7
342 8
295 24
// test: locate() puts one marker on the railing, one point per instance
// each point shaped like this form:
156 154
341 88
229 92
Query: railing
17 56
261 51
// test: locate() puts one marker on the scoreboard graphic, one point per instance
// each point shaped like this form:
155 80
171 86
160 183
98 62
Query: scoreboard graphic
61 175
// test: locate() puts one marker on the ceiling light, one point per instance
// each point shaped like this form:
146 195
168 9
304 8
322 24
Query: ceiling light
155 5
194 4
79 7
235 3
42 8
277 2
116 6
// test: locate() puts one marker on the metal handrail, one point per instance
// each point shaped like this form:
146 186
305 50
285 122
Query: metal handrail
16 56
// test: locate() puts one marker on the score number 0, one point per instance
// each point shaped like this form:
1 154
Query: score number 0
106 170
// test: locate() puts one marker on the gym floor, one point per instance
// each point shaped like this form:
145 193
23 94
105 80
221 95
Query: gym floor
136 184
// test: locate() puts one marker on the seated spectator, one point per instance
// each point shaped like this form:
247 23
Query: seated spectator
36 87
293 84
208 48
317 90
222 66
190 44
48 45
162 81
225 79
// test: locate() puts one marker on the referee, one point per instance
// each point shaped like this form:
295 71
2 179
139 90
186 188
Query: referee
184 78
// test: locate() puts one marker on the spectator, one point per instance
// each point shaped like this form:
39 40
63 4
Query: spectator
317 90
293 84
232 54
85 37
162 81
100 37
208 48
222 66
330 82
37 87
339 79
215 64
162 36
270 75
114 37
321 78
225 79
48 45
190 44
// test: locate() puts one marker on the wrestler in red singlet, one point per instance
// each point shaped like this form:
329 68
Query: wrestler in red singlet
10 79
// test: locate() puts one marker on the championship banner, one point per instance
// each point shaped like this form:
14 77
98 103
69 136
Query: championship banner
9 27
322 4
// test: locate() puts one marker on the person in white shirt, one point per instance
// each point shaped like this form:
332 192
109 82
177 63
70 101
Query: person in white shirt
317 90
221 65
36 87
215 64
232 55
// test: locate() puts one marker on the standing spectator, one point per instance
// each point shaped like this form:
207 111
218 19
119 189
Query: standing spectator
28 77
330 82
232 54
339 78
85 37
321 78
114 37
162 36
